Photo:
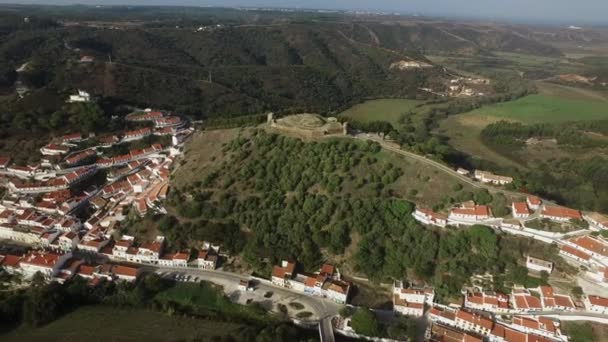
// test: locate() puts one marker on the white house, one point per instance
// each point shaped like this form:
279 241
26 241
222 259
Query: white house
282 274
68 241
207 259
463 172
410 301
555 302
533 202
520 210
596 304
47 263
426 216
54 150
119 251
489 177
540 325
82 96
596 220
487 301
469 321
560 214
574 253
469 211
538 265
174 260
593 246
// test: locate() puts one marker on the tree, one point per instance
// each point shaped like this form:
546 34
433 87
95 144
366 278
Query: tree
577 292
364 322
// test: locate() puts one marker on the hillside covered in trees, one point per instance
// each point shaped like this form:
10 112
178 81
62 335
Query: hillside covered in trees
272 197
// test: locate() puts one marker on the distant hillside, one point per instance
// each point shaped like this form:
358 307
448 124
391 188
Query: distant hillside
230 71
450 38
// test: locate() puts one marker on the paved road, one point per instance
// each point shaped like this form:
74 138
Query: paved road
321 307
326 330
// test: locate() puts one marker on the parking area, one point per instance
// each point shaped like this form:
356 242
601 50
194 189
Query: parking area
276 300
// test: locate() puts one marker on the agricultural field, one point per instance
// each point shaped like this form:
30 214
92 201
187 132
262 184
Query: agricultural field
540 108
389 110
555 103
99 323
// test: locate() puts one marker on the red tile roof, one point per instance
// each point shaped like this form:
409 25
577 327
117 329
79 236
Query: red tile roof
575 252
327 269
10 260
561 212
4 161
41 259
592 244
124 270
474 319
598 301
533 200
520 208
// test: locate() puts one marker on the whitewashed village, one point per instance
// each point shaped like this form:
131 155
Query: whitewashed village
43 205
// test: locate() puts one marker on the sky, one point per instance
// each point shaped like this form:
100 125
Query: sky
572 11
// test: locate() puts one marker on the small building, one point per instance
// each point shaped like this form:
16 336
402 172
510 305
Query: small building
174 260
86 59
574 253
282 274
596 220
47 263
536 325
81 97
54 150
533 202
207 259
469 321
463 172
596 304
593 246
469 211
523 301
487 301
337 290
555 302
410 300
538 265
443 333
560 214
520 210
489 177
427 216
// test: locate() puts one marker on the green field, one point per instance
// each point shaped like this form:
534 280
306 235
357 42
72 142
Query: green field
100 323
389 110
540 108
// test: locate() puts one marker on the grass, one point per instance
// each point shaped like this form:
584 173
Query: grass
554 103
540 108
296 305
463 132
586 331
100 323
389 110
207 298
554 227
